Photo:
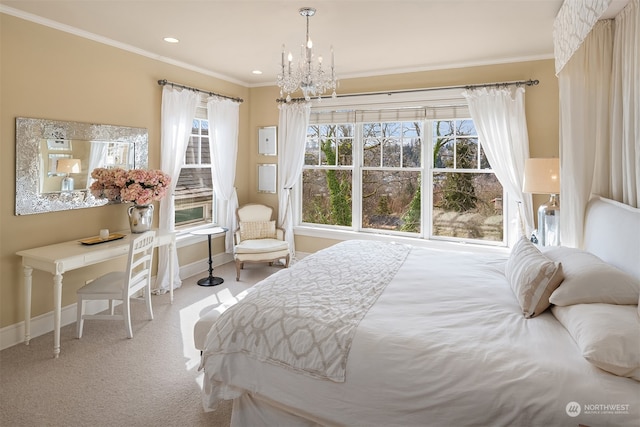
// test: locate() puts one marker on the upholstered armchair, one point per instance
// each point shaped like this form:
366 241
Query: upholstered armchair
257 240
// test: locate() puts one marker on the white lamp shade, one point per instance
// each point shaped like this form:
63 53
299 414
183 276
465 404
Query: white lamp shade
542 176
69 166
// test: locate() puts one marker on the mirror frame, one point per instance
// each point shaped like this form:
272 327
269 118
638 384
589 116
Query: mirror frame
30 132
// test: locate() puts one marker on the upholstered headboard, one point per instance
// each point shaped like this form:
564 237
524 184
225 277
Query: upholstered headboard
612 232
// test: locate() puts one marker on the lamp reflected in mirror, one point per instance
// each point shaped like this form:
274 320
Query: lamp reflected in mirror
68 167
542 176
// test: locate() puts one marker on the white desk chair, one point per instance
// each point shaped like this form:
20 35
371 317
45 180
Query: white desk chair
121 285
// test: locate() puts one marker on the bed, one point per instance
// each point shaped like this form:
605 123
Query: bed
428 337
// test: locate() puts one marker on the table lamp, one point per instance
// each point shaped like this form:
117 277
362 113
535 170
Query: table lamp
68 166
542 176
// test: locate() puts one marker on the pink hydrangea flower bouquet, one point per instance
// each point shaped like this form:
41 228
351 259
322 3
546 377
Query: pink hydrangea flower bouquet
140 186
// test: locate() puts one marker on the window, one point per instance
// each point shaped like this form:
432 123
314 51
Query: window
416 177
391 168
467 197
328 174
194 189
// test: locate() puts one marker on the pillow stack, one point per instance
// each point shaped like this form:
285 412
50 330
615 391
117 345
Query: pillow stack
588 279
596 303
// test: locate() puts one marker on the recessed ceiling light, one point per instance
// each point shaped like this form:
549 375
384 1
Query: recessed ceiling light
257 72
171 40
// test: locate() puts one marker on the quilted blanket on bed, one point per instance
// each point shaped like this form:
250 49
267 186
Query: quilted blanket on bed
304 317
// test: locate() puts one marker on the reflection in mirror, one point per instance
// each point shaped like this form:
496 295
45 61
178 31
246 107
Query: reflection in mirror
54 161
88 155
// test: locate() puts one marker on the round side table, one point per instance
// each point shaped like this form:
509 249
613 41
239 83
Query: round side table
210 280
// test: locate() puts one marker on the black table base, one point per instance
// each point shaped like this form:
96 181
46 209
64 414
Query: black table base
210 281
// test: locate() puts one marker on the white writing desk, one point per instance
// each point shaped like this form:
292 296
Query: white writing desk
62 257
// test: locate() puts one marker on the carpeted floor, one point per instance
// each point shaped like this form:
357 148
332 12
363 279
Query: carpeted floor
105 379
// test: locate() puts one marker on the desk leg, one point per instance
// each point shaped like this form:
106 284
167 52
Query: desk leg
57 308
28 271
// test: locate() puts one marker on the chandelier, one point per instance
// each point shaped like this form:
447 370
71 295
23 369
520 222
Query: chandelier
306 75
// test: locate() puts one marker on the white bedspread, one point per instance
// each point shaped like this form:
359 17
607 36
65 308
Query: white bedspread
445 344
304 318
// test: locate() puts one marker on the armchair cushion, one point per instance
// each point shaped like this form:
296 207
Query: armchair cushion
261 246
250 230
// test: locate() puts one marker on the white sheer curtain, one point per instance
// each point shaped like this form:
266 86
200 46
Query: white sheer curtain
178 111
499 117
625 103
223 115
97 158
292 134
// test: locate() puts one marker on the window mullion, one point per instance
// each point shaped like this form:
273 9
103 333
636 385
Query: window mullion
356 184
426 191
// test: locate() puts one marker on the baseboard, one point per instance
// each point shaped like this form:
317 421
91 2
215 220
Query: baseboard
198 267
43 324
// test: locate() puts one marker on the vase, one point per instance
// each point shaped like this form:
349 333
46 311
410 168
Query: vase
140 218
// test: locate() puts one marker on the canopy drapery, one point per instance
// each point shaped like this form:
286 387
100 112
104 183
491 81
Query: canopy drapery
599 120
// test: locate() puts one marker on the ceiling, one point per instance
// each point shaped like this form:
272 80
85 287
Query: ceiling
231 38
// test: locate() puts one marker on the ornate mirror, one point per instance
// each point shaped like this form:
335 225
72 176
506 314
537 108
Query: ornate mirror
54 160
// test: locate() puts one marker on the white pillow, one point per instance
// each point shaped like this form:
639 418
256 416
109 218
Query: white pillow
250 230
588 279
608 335
532 276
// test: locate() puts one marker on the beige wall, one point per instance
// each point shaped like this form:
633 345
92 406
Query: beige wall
51 74
45 73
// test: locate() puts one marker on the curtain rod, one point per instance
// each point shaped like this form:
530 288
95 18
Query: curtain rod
391 92
165 82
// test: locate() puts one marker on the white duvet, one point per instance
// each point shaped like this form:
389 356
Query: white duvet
446 344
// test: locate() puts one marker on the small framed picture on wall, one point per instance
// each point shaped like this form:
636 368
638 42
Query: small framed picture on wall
267 178
267 141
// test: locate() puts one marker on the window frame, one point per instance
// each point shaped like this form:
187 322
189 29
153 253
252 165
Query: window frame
433 170
210 214
420 169
325 167
443 103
